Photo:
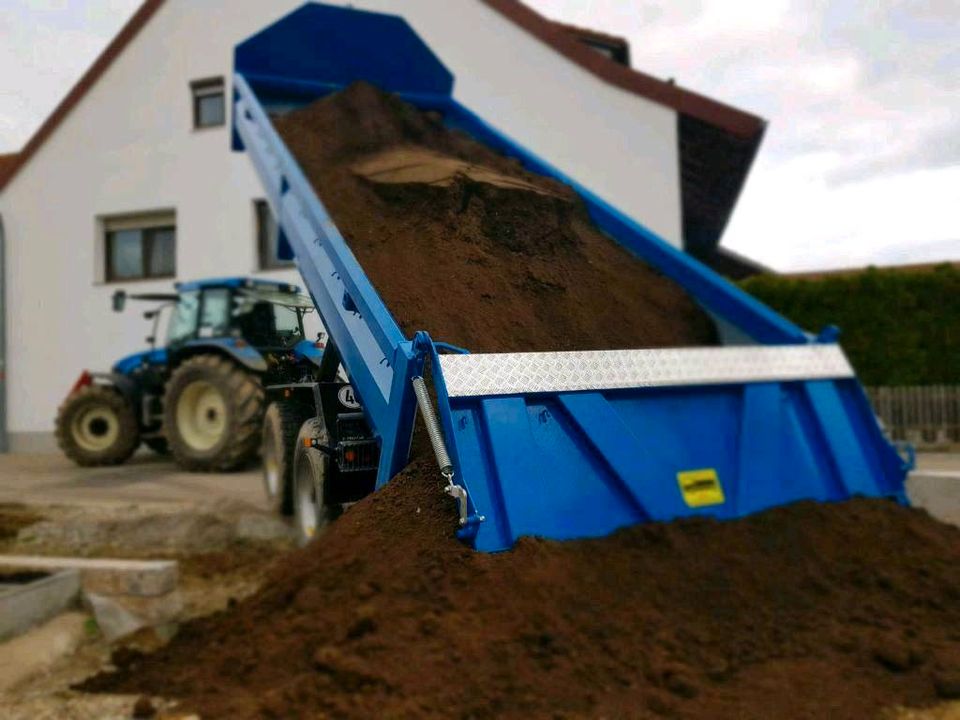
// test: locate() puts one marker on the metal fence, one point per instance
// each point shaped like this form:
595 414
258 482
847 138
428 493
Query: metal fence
927 416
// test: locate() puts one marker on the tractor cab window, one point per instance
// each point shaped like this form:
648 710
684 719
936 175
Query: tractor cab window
215 315
183 319
312 326
287 319
269 318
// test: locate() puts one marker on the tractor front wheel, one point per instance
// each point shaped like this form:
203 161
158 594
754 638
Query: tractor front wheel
97 426
212 414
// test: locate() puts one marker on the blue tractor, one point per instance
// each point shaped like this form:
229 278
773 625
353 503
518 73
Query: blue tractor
201 395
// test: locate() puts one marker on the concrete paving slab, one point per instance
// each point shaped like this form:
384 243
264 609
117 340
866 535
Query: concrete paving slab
24 605
144 578
120 615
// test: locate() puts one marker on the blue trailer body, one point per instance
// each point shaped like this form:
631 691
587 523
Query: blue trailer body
609 439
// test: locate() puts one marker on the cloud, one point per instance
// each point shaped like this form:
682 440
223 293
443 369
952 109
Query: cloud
46 47
861 160
807 223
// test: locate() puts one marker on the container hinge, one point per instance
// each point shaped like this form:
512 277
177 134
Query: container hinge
434 432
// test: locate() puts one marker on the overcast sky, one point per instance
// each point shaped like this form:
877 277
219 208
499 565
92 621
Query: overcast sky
861 161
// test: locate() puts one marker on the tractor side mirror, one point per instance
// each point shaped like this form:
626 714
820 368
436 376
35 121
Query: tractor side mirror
119 300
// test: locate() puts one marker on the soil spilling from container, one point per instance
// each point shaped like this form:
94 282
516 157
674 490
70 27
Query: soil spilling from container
811 610
466 244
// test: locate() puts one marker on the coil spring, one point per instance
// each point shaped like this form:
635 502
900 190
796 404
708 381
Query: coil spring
433 427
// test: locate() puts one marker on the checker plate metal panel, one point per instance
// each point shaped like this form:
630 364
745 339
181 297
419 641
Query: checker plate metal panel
547 372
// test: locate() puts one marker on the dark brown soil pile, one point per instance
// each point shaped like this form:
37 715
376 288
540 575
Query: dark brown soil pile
807 611
463 243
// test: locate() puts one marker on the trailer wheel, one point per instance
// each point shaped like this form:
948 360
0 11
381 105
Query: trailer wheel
312 470
212 414
97 426
281 424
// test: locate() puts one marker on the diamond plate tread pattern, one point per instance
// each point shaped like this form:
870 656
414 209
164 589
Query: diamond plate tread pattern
545 372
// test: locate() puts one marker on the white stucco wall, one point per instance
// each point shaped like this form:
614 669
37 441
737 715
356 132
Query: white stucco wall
129 146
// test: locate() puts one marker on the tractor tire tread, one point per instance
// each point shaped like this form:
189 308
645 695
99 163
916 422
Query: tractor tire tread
245 418
129 429
281 423
327 513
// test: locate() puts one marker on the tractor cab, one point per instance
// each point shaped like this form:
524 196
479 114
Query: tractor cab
268 316
265 314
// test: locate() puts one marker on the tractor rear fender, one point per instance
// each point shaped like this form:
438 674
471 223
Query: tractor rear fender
86 378
126 386
237 349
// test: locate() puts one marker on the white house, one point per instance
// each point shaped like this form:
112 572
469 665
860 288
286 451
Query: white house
131 181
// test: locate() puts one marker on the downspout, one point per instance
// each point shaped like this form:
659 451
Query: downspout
4 444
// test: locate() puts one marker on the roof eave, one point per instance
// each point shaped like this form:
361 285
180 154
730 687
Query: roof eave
683 101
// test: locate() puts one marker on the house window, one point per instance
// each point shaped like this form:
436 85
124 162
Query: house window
268 238
140 246
209 103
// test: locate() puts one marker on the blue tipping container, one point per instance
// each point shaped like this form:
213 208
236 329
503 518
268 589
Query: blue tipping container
560 445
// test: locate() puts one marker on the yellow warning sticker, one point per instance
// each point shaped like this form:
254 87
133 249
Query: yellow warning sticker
700 487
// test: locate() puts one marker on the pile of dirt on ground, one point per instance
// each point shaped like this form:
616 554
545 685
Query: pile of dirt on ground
14 517
464 243
805 611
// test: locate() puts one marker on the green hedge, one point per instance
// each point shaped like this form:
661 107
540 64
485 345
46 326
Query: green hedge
898 327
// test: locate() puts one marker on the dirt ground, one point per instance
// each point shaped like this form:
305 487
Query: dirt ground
935 485
223 547
843 609
51 479
941 462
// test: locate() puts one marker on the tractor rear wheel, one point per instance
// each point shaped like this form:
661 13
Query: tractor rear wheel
281 424
97 426
212 414
312 471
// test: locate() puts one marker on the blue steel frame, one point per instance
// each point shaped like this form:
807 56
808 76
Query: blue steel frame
499 444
